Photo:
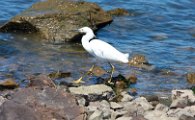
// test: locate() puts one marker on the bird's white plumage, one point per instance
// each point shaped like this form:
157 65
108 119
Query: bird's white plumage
101 49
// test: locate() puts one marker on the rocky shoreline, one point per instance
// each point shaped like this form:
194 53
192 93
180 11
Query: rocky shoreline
94 102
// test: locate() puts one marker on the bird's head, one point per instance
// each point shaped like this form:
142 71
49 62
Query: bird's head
85 30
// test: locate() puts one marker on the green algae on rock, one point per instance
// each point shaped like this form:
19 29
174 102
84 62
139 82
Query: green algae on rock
54 20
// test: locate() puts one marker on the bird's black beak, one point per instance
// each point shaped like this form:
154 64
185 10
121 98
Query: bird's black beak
75 30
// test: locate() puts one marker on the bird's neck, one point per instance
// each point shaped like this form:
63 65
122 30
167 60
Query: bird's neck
87 37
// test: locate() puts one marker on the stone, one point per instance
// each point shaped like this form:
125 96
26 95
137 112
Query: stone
138 106
11 110
40 81
55 20
116 114
81 101
97 115
161 107
104 106
42 104
93 92
191 78
8 84
115 105
158 115
126 97
124 118
2 100
185 117
187 111
179 103
140 61
159 36
118 12
182 98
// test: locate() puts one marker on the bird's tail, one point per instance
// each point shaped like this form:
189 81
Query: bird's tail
126 59
127 55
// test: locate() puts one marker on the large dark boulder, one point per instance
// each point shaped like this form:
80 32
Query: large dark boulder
54 20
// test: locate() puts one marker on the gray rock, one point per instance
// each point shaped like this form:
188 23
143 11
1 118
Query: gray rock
97 115
115 105
81 101
185 117
116 114
2 100
179 103
93 92
141 101
124 118
158 115
188 111
161 107
54 20
126 97
182 98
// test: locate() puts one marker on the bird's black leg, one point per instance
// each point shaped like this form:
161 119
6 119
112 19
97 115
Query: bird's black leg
112 71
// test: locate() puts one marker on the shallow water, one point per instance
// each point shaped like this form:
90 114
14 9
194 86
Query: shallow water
163 31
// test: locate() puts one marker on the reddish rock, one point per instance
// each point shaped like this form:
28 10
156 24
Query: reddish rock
41 104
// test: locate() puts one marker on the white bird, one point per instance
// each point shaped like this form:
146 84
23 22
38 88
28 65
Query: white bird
101 50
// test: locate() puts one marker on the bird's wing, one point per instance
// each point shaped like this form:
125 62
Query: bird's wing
104 50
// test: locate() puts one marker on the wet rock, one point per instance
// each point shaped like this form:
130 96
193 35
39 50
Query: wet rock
159 36
93 92
54 20
40 81
141 62
133 91
182 98
98 71
132 78
151 98
8 84
191 78
118 12
59 74
42 104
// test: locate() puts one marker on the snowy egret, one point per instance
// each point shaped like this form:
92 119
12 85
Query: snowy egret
101 50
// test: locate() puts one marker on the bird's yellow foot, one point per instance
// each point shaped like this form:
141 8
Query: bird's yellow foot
80 80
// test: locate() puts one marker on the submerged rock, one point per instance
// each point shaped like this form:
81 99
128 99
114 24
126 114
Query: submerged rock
141 62
54 20
118 12
191 78
8 84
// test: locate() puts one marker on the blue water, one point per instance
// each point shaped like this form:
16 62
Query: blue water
163 31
